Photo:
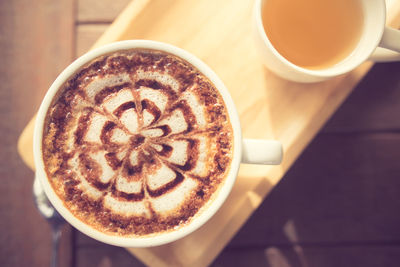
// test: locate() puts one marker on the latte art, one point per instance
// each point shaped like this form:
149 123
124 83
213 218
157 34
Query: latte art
137 142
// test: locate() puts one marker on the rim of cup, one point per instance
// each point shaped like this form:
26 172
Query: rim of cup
336 69
205 212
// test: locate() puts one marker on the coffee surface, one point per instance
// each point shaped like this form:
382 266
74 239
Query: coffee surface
313 34
136 142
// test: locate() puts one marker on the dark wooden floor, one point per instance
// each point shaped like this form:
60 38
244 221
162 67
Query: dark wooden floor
337 206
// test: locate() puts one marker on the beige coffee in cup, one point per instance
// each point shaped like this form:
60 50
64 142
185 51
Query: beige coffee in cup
313 34
137 142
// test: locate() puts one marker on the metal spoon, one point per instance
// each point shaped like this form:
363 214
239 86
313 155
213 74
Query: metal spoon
51 215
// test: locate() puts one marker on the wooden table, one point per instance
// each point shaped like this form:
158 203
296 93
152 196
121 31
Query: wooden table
317 102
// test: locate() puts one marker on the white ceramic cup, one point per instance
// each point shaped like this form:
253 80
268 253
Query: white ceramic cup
375 36
245 151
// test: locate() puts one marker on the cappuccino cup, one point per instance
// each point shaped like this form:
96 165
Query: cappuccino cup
138 143
312 41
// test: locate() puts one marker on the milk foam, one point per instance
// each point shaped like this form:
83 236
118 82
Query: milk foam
157 147
155 132
130 120
106 171
112 102
128 187
176 122
119 136
88 189
162 78
99 83
134 157
180 152
96 124
84 185
126 208
173 199
160 176
196 108
155 96
147 118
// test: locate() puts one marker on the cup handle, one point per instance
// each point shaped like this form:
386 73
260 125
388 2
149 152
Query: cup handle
389 47
258 151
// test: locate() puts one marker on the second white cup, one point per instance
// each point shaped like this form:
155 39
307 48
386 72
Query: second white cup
374 35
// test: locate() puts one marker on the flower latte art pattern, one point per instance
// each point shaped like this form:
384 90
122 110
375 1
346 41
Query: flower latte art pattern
137 142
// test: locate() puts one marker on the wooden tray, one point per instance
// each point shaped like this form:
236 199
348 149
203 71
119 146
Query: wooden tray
219 32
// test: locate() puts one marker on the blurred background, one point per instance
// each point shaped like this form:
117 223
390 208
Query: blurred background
337 206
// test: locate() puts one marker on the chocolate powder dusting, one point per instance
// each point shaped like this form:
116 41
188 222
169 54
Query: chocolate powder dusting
136 142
